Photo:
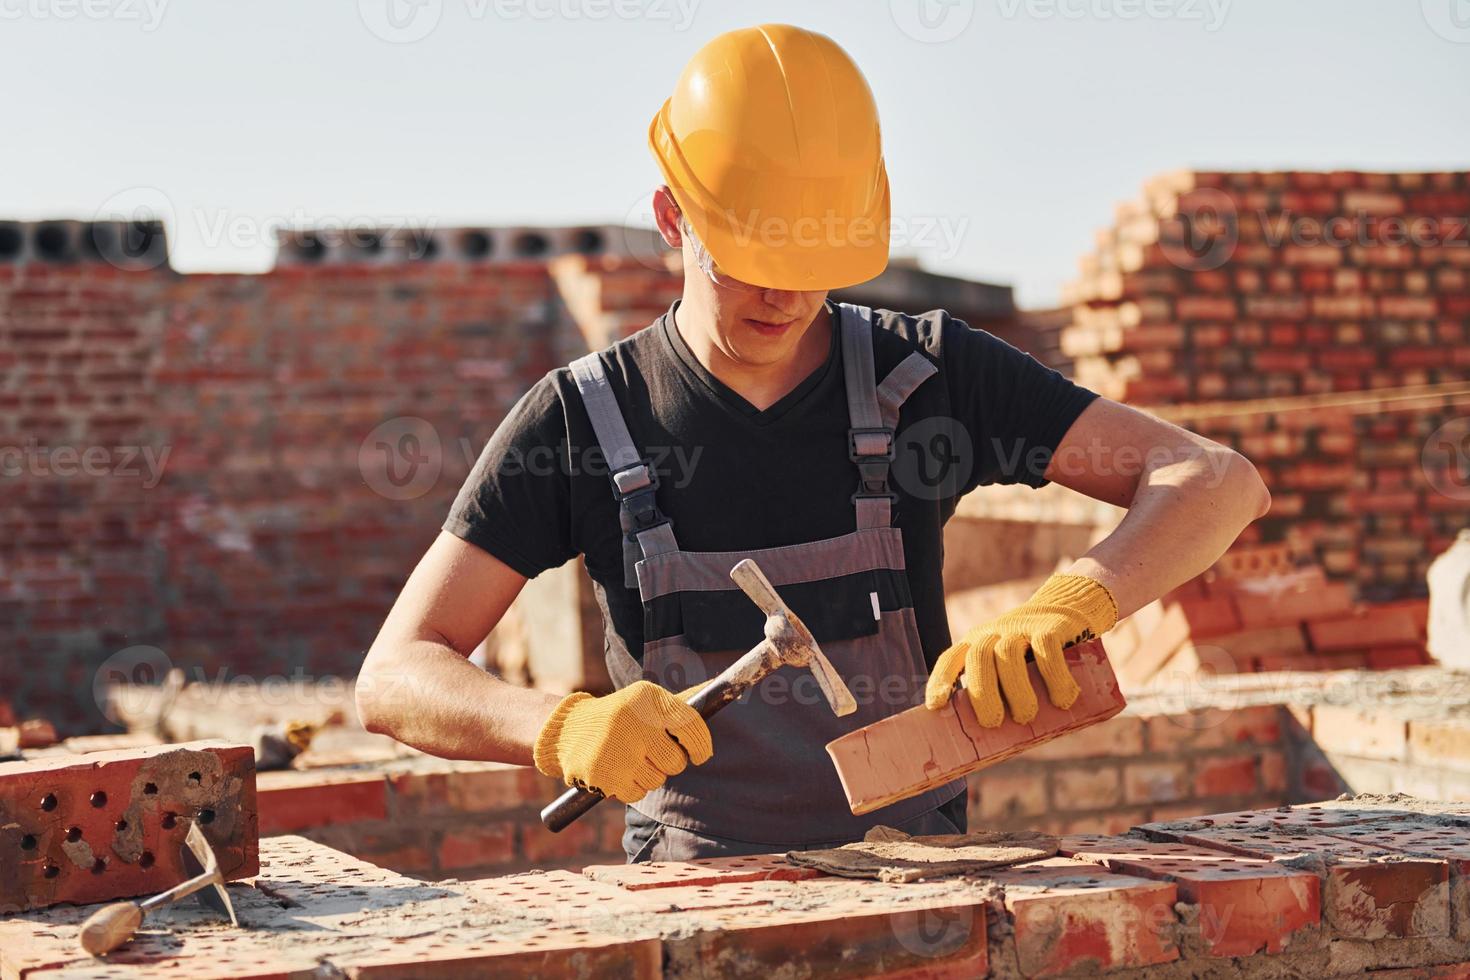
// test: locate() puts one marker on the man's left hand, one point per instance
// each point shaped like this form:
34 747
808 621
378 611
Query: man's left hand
992 656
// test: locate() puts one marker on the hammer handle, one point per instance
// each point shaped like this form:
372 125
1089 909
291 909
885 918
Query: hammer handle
727 687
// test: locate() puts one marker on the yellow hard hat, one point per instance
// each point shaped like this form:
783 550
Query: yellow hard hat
770 145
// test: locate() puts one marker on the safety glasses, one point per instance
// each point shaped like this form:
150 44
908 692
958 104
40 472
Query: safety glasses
706 262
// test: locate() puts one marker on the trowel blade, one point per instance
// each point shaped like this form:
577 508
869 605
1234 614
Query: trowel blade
215 896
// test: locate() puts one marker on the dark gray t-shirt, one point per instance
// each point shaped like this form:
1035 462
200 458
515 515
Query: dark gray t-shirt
734 478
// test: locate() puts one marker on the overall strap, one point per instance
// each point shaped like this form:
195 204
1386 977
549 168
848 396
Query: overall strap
646 531
873 413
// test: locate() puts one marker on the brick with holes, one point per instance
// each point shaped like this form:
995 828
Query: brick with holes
1367 892
87 828
1242 905
570 897
707 871
550 952
1316 818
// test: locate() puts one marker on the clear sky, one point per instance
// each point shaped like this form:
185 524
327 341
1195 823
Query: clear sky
1011 127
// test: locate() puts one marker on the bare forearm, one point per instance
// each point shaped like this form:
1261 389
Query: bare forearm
1183 517
427 695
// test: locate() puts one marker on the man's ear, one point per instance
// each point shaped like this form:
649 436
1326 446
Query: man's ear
666 216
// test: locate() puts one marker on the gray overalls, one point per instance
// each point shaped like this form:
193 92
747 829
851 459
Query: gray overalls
770 785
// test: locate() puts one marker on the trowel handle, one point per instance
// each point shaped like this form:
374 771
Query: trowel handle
110 926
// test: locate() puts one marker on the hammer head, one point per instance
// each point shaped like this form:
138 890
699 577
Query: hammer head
790 640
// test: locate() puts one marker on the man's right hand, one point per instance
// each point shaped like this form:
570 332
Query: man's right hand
623 744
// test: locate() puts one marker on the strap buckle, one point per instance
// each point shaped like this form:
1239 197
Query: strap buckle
635 486
881 430
872 467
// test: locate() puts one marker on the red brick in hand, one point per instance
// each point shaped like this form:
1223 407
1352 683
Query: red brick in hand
918 749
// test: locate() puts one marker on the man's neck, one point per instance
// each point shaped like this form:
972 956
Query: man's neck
761 385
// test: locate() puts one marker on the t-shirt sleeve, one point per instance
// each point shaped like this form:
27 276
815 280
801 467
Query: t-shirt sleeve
515 503
1015 409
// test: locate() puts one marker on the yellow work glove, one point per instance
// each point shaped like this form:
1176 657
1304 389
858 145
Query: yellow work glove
623 744
992 656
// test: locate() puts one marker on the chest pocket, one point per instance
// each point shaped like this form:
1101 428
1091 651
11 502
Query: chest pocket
840 608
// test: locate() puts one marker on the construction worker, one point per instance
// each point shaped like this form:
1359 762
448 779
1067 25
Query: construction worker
758 419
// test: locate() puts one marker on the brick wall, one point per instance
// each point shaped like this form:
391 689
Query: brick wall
1318 322
1133 769
436 817
189 464
1193 749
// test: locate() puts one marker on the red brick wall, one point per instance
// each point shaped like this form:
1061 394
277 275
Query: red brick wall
1300 294
440 818
437 818
265 545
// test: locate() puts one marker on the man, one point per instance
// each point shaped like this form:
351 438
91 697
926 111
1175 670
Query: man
757 419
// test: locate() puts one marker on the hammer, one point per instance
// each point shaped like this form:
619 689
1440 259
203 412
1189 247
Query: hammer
112 925
787 641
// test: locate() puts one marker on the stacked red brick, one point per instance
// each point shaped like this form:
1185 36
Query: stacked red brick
612 296
1257 610
1298 294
